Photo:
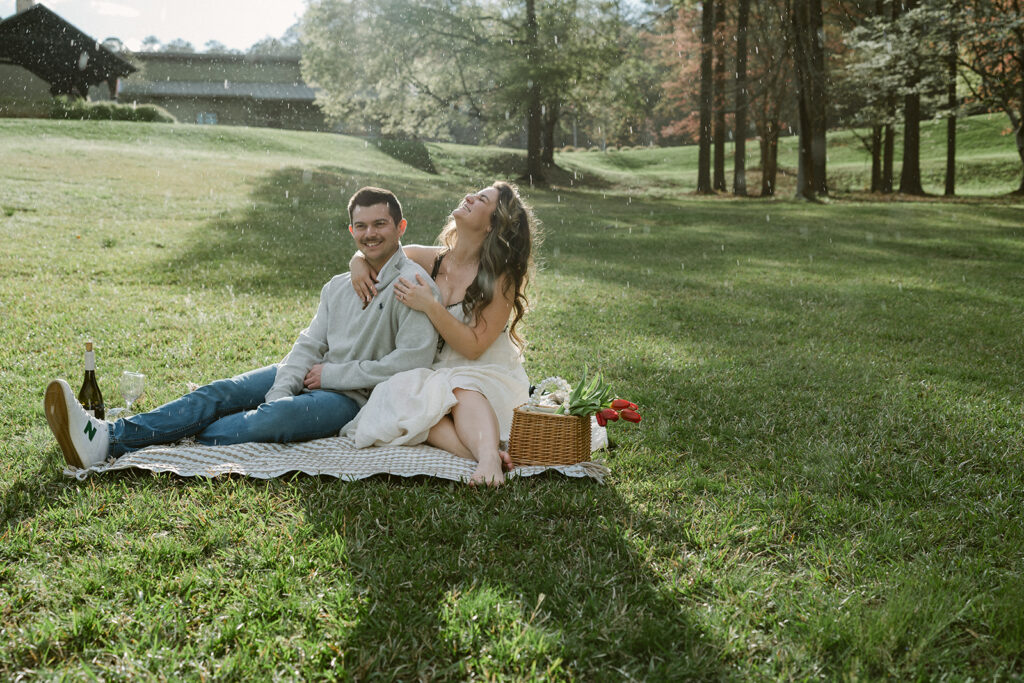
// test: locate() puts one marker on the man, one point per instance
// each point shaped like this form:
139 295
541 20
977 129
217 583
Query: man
318 387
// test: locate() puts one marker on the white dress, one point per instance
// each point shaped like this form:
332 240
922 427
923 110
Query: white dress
402 409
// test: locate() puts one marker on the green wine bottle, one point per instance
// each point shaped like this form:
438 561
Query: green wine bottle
89 395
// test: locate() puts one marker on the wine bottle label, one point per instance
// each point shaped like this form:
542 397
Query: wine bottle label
91 413
90 360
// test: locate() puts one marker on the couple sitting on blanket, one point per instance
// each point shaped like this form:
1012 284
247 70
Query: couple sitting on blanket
371 364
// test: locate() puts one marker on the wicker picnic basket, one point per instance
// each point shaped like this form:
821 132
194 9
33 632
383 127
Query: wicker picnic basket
540 438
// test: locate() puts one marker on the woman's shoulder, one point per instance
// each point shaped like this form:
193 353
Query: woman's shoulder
422 254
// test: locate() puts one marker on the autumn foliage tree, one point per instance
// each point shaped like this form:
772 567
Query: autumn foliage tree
993 52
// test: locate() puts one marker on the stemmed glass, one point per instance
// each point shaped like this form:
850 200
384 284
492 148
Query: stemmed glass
131 388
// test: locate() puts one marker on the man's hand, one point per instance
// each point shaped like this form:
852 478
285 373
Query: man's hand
312 380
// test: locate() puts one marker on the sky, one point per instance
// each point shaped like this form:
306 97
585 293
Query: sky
235 23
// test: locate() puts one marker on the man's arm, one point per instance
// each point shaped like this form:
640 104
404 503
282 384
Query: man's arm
415 346
308 350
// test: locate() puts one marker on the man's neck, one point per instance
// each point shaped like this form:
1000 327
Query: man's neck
376 266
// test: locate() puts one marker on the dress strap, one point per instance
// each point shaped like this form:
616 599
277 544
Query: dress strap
437 266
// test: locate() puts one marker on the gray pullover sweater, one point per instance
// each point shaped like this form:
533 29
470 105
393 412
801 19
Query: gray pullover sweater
359 347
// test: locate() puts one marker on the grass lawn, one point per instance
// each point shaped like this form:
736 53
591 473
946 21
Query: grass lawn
827 482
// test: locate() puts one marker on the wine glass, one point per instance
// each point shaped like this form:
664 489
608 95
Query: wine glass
131 388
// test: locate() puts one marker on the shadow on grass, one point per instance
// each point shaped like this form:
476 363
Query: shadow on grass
543 579
30 490
294 234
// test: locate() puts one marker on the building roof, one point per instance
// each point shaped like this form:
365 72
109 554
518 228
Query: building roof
228 57
63 56
225 89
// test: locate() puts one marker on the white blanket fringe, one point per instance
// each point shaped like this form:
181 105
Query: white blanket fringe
334 457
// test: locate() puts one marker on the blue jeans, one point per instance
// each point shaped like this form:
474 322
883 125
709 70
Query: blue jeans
231 411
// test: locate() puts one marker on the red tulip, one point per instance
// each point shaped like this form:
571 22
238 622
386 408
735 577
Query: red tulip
609 414
621 403
630 415
601 421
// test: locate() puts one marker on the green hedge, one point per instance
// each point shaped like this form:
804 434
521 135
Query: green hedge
74 108
412 152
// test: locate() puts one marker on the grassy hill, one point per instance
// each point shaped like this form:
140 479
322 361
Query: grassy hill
826 483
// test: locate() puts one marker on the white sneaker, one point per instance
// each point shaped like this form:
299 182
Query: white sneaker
83 438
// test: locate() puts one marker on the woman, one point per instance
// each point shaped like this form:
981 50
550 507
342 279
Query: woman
464 402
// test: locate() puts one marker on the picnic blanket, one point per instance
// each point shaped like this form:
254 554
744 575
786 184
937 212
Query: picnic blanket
334 457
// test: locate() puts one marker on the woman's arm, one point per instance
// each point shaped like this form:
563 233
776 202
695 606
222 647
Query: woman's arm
364 280
469 340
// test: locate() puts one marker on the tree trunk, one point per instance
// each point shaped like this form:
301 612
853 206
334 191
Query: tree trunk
910 174
1019 138
809 59
719 99
804 181
819 99
951 103
551 116
739 164
704 148
877 182
1019 123
910 171
534 123
876 159
888 150
769 158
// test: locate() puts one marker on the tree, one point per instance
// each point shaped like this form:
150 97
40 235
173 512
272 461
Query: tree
952 101
434 67
993 52
910 173
772 78
595 72
114 44
719 96
739 177
869 86
899 55
676 48
534 168
178 45
764 83
217 47
807 28
707 33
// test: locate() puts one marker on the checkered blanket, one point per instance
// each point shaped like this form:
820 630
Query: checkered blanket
335 457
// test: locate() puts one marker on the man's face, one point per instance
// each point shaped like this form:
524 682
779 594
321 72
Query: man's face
375 233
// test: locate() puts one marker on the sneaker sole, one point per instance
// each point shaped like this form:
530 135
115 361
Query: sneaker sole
57 417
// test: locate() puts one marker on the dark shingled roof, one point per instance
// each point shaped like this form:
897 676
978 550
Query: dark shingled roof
227 89
57 52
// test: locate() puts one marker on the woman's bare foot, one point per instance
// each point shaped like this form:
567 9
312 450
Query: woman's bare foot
506 461
488 471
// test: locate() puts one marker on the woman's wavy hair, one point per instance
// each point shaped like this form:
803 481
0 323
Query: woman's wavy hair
507 250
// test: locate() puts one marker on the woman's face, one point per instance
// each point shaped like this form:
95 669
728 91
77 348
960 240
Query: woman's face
476 209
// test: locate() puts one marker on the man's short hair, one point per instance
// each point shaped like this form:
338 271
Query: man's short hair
371 196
